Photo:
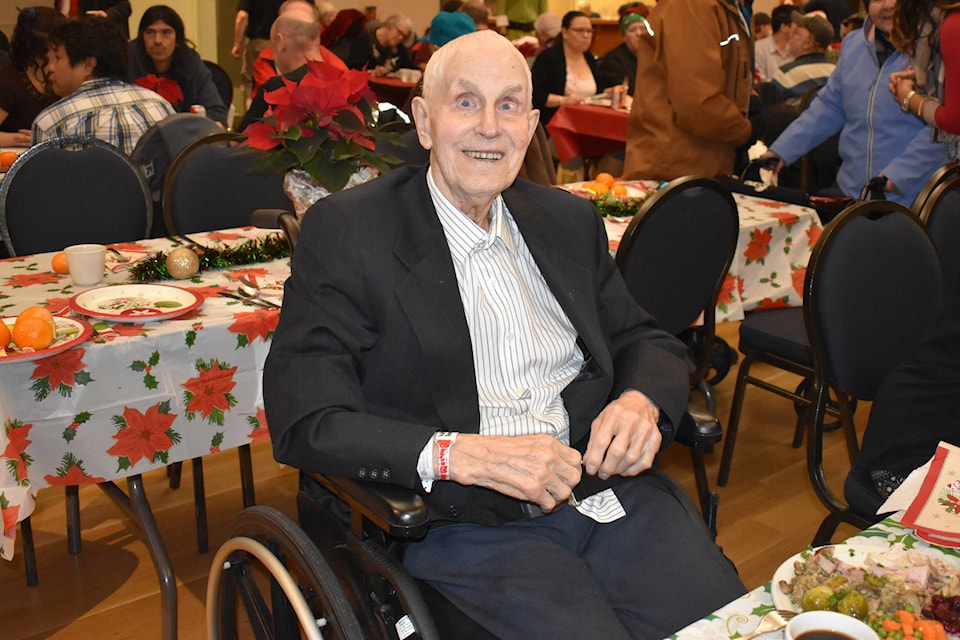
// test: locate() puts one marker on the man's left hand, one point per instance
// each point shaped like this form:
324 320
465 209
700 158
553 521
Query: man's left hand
624 438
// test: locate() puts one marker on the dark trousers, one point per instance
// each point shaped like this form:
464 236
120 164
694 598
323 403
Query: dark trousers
564 575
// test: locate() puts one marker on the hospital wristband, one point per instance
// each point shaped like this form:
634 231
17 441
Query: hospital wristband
444 440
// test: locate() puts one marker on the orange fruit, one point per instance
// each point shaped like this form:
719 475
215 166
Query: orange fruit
7 158
38 312
618 190
601 188
32 333
605 178
59 263
4 335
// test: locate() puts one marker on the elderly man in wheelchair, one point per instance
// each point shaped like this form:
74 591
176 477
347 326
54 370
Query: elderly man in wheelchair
459 358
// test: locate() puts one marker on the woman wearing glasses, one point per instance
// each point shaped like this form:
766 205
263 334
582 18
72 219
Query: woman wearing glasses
381 49
565 73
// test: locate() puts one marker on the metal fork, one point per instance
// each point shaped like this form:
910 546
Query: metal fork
771 621
119 256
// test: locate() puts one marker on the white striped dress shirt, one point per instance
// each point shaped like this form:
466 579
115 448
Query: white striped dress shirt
524 346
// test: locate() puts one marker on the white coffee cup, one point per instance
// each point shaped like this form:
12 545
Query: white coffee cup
829 621
86 262
409 75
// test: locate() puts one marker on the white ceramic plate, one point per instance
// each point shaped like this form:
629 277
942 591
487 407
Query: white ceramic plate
632 191
852 554
70 333
135 302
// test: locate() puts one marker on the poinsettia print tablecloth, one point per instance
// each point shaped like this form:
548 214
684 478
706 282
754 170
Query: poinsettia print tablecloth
133 397
775 244
742 616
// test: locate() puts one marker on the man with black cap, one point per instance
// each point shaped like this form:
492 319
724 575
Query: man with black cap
810 67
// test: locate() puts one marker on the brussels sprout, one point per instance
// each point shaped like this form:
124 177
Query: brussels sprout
853 604
817 599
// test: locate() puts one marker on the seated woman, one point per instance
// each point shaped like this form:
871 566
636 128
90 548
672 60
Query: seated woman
566 73
163 60
24 91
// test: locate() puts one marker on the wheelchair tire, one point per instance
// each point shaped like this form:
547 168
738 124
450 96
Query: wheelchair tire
242 577
385 597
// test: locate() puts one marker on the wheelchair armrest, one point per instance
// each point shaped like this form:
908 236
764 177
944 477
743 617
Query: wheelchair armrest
699 427
398 511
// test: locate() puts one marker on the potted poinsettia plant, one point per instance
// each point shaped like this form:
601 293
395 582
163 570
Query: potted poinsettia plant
323 129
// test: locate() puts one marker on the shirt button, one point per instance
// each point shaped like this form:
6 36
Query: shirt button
510 337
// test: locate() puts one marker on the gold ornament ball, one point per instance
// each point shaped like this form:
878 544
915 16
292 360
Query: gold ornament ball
183 263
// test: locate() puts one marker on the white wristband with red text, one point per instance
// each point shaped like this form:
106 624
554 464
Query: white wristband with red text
444 440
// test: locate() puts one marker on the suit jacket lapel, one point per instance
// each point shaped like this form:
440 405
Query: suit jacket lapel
569 281
431 299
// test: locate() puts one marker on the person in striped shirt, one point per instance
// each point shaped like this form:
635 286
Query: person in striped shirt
87 68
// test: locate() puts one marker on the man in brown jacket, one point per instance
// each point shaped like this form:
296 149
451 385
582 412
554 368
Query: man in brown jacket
692 93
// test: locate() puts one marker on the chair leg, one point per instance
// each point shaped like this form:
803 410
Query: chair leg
200 506
827 529
804 389
730 437
173 474
707 389
849 429
72 502
246 476
709 501
29 553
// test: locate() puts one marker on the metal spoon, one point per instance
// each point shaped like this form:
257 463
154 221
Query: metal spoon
254 294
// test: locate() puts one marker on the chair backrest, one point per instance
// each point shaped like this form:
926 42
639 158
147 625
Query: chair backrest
677 250
939 176
69 190
222 81
872 289
941 215
213 184
278 219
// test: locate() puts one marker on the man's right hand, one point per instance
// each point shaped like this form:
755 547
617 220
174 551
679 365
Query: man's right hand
236 51
538 468
770 160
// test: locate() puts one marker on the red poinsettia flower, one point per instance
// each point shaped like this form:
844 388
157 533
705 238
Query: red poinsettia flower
61 368
168 88
11 516
129 246
786 219
250 273
798 275
123 329
56 305
258 423
322 124
144 435
773 303
31 279
17 444
73 475
726 290
208 291
224 235
813 234
210 390
759 245
259 323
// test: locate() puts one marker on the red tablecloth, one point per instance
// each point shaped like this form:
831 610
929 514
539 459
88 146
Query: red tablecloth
587 131
392 90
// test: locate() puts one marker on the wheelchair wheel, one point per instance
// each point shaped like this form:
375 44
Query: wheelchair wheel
386 599
270 582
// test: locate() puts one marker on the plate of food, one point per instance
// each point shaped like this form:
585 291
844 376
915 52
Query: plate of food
70 333
864 580
592 189
135 302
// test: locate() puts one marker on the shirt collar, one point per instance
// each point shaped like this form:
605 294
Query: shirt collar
463 234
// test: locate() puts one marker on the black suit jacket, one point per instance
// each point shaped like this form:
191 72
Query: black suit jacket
372 354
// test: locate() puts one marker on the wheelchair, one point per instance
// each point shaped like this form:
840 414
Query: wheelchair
335 575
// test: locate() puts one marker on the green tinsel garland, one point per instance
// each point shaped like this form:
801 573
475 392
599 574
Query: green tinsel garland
262 249
612 206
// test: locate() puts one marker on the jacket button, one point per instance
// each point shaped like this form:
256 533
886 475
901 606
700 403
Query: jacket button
385 474
362 473
454 510
374 474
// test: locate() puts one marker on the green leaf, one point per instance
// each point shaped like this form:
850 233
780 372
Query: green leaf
154 358
82 417
164 407
138 365
217 439
82 377
69 434
123 463
190 338
150 381
41 388
242 341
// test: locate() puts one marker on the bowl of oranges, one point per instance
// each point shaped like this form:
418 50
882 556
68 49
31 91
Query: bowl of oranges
36 333
612 197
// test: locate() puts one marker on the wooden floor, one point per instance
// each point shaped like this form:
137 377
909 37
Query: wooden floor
110 590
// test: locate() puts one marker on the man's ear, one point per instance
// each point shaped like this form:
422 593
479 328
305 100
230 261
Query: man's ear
421 117
89 65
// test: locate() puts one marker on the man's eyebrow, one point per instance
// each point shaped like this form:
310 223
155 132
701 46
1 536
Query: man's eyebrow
473 88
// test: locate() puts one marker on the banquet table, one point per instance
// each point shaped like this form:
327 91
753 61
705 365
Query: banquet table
588 131
775 243
135 396
392 90
741 616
